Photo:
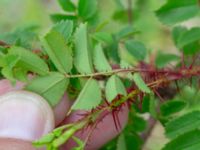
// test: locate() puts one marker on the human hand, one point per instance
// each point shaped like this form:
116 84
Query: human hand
24 120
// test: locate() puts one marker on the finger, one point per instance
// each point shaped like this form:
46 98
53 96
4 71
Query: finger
25 115
15 144
60 110
104 131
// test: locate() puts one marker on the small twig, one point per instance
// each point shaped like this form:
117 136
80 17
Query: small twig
130 11
2 43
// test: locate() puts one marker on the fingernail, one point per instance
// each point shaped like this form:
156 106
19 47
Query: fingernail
25 115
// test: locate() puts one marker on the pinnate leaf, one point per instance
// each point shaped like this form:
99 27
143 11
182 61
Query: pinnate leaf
89 97
83 58
100 60
114 87
58 51
51 87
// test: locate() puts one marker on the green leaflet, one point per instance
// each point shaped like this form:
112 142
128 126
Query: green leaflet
89 97
80 143
189 37
187 141
121 143
175 11
163 59
126 32
8 63
100 61
170 107
83 59
138 124
186 40
67 5
65 28
87 8
177 33
44 140
29 60
51 87
136 49
103 37
114 87
60 17
183 124
140 83
58 51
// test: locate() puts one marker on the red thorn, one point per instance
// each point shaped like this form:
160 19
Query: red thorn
114 119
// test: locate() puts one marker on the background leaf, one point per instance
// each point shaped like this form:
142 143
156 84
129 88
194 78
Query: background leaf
121 143
103 37
58 51
175 11
51 87
177 33
114 87
67 5
60 17
189 36
87 8
163 59
187 141
183 124
29 60
83 58
89 97
171 107
136 49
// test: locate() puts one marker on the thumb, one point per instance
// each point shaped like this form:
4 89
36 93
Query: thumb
24 115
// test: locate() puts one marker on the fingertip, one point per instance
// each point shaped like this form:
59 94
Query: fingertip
25 115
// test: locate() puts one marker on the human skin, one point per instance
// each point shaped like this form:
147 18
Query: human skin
104 132
60 110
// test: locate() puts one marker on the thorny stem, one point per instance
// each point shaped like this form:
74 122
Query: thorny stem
93 117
